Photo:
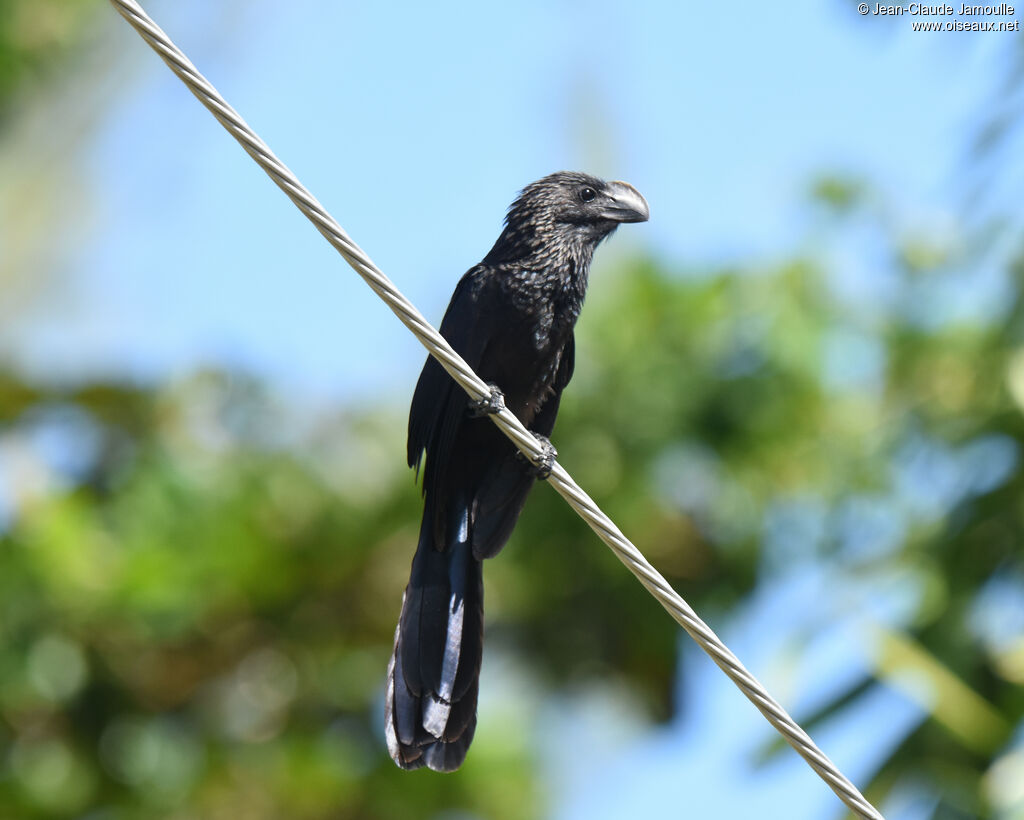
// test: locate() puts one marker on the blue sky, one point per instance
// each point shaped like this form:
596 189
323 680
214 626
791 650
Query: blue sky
415 125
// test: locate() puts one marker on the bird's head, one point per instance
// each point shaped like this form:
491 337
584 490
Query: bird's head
569 211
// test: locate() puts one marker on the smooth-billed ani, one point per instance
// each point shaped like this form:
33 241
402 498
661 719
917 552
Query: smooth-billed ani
511 318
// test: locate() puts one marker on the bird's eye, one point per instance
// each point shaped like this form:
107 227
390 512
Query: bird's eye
587 194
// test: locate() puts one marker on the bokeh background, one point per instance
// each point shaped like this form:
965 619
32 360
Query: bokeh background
799 389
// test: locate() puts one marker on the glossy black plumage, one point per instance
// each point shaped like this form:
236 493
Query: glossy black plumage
511 318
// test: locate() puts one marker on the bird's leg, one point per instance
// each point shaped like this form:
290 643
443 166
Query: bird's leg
542 469
489 405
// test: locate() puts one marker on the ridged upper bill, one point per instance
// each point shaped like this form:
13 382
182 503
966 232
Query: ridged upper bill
627 204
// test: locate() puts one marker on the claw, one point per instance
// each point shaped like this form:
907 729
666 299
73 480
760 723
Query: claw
489 405
542 469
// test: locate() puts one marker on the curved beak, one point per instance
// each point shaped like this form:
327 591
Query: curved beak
626 204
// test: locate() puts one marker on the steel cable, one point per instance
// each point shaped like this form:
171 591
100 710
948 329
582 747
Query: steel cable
477 389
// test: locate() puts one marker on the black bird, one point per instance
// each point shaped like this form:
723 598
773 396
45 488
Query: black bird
511 318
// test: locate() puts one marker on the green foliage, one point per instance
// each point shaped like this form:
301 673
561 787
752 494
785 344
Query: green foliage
34 36
205 620
198 583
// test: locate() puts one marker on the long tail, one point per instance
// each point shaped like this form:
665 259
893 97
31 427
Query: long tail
434 673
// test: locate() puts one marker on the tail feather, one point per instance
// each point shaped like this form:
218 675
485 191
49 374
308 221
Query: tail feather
433 676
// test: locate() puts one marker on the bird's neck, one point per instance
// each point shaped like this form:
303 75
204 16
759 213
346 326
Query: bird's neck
566 257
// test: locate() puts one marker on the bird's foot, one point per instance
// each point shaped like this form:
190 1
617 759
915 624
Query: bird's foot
489 405
542 469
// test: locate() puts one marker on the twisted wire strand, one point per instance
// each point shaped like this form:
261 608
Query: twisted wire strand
477 389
